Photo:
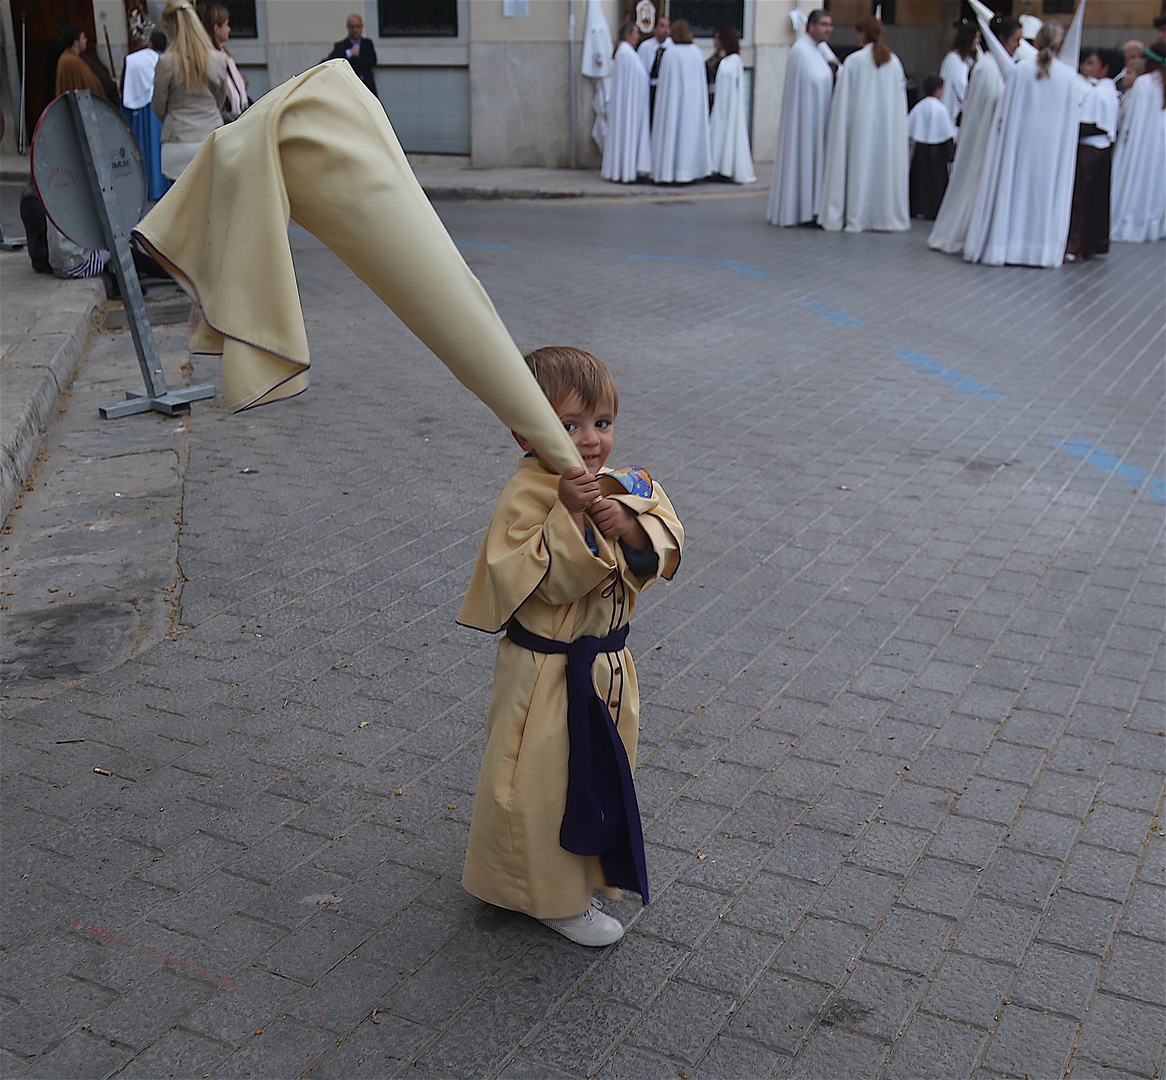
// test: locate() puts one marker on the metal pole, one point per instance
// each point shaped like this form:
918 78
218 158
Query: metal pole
574 158
23 78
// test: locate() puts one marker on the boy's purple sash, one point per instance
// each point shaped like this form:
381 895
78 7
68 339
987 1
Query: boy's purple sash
602 816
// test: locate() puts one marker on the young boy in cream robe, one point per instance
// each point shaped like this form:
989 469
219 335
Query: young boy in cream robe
564 560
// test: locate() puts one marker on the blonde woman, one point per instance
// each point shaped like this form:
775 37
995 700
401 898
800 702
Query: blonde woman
190 87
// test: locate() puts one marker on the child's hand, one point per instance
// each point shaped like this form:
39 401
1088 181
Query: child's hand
578 489
616 521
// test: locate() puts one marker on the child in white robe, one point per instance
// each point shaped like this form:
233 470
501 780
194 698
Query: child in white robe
564 559
931 133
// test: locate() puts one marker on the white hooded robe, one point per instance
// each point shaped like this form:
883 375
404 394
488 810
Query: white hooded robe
627 148
801 135
680 124
864 182
1021 215
951 223
728 132
1137 201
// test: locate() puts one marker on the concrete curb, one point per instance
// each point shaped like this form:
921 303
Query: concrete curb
35 376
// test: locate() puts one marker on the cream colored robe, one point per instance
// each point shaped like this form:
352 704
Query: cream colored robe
536 566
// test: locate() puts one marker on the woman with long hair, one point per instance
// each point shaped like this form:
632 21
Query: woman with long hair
190 87
1021 213
728 133
957 67
864 181
216 20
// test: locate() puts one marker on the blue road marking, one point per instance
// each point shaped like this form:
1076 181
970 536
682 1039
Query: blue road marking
957 380
831 315
471 244
1109 462
733 264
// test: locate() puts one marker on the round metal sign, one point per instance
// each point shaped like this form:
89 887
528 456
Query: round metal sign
62 177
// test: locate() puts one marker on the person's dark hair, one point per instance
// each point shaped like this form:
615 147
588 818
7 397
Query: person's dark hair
1114 61
69 34
1004 26
1086 52
873 28
931 83
730 42
817 15
962 43
681 32
1159 23
624 32
158 41
213 15
561 371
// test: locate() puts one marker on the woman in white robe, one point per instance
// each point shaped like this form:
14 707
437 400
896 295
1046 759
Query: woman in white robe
957 67
864 182
801 133
680 122
728 132
627 146
1138 194
1021 216
985 88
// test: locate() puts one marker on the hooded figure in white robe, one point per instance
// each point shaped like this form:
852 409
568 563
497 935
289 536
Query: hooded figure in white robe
728 132
1021 215
864 182
801 135
1137 208
985 88
627 148
680 123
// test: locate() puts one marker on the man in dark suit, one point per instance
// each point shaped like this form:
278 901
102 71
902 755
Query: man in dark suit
359 51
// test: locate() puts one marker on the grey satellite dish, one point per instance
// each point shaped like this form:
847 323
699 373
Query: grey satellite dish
61 174
88 172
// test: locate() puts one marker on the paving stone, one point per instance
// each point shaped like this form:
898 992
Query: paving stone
315 948
730 959
477 1042
80 1054
1022 879
967 841
1055 980
858 897
731 1059
1043 834
910 940
875 1001
176 1054
833 1052
940 886
772 903
1030 1042
1136 969
682 1021
1145 914
778 1012
283 1049
234 1013
969 989
581 1033
1125 1034
889 847
935 1049
821 950
811 854
683 914
635 973
380 1046
1080 922
996 931
1099 872
542 975
47 1018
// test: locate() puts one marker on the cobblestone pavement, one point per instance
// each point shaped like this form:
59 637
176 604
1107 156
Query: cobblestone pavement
902 760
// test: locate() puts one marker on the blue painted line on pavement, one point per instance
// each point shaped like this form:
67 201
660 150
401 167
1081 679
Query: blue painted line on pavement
1109 462
472 244
830 314
733 264
957 380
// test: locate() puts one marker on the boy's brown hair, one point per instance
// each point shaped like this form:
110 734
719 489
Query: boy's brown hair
562 371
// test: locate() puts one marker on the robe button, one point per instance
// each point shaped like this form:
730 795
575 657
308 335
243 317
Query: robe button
613 704
618 671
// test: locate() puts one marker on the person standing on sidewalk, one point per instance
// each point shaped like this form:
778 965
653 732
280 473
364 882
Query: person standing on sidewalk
564 560
359 51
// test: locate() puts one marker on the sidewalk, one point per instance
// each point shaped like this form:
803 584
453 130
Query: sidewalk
46 321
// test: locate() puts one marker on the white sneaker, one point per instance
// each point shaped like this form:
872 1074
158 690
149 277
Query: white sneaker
591 928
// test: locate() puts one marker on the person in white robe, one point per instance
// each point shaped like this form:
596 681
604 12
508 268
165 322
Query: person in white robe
651 54
957 66
627 147
728 131
137 95
1021 215
864 181
1138 193
985 87
801 129
680 124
